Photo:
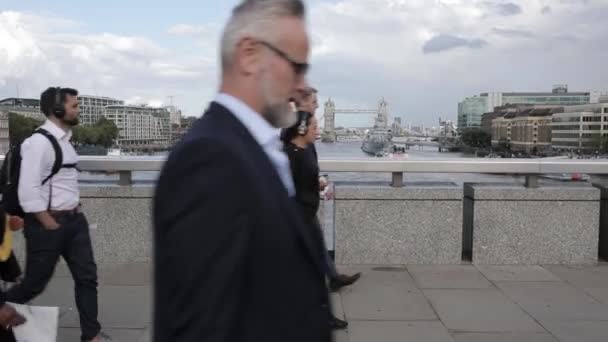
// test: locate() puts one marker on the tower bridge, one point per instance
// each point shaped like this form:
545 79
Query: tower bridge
329 131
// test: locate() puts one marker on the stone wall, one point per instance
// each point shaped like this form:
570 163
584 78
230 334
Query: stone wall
120 223
549 225
420 223
379 224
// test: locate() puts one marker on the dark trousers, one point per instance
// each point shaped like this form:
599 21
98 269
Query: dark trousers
6 335
44 247
330 266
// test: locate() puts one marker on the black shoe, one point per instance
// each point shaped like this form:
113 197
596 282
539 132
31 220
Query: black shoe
342 280
337 324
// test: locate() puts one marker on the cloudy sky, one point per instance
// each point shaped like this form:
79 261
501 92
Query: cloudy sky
422 56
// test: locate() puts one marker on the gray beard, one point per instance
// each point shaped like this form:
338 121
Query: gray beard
280 120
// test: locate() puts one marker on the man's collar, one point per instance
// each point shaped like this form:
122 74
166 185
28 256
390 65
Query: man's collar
259 128
56 131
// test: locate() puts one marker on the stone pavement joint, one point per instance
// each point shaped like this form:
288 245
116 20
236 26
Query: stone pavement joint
435 303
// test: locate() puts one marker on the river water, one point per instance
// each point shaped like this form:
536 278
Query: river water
352 151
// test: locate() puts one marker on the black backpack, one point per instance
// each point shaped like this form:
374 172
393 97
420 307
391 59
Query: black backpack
9 175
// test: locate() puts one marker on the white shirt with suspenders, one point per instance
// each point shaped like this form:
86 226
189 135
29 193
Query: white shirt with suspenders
37 160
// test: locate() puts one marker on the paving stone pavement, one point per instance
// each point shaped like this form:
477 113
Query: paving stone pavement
427 303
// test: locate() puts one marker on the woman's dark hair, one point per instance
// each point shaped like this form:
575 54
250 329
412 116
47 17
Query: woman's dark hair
304 118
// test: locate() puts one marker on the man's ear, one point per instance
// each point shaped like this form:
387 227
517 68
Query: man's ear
248 56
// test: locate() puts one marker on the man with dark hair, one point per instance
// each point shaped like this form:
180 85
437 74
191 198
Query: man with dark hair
54 223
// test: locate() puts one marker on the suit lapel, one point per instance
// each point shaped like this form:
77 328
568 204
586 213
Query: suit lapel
305 234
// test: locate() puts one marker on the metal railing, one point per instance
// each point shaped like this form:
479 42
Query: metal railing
530 168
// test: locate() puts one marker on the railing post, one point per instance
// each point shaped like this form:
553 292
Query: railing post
397 181
532 181
126 178
600 180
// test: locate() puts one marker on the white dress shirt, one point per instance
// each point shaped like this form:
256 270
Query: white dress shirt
37 159
267 136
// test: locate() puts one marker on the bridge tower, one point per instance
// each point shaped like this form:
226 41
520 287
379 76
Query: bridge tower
329 125
381 120
329 116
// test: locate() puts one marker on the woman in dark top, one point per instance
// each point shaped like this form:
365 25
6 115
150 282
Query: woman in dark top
298 143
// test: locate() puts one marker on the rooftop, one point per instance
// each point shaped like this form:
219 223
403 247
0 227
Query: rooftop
510 113
99 97
531 112
15 101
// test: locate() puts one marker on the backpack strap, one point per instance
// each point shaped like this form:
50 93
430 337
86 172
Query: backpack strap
58 153
58 161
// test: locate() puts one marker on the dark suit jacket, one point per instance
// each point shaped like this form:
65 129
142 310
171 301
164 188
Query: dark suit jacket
234 261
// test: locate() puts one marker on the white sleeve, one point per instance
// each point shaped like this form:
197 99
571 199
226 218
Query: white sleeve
36 154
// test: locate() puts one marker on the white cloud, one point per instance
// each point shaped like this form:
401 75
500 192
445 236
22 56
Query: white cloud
190 30
174 70
37 52
362 50
17 43
443 42
143 101
366 49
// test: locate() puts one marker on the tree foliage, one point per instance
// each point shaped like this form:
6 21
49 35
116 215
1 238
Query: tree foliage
103 133
21 127
475 137
503 145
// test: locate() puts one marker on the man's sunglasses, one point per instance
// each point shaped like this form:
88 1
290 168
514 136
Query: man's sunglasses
299 68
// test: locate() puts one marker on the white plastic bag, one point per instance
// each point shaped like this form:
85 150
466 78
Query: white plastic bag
41 323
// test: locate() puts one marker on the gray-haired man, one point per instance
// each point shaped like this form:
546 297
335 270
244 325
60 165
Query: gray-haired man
234 260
